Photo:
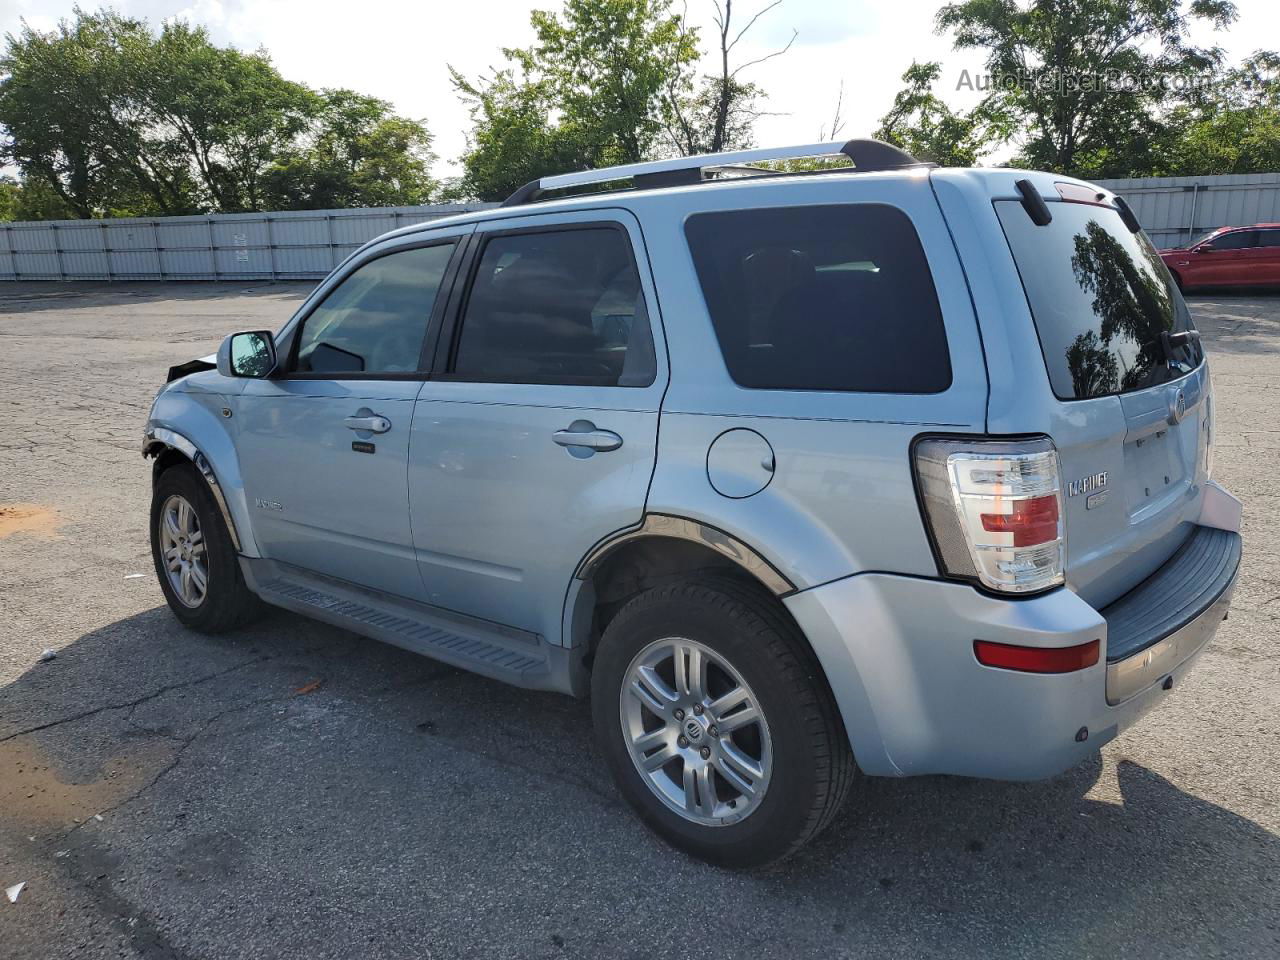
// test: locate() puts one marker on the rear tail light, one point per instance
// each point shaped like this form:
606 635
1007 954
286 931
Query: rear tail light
995 510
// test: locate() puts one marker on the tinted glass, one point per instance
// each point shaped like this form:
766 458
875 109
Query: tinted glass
1269 238
821 298
1236 241
1101 297
376 319
560 306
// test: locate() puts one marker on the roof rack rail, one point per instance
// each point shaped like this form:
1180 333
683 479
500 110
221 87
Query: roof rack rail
867 156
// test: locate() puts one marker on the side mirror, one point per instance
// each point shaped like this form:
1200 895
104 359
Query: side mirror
250 354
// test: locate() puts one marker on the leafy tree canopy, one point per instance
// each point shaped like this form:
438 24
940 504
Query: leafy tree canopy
922 124
112 118
1088 81
589 92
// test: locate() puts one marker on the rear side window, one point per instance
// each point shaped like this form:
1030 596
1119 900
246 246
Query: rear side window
1269 238
1101 297
833 297
561 306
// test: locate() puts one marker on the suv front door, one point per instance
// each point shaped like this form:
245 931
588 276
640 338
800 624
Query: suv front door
324 444
535 438
1224 260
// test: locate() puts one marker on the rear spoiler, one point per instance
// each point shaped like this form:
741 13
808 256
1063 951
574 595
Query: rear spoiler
1041 216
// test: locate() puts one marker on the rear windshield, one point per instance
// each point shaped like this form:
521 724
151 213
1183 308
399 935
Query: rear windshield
1101 297
821 298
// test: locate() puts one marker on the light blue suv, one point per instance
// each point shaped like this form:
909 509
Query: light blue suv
885 467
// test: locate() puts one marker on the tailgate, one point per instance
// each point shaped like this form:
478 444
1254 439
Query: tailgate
1131 390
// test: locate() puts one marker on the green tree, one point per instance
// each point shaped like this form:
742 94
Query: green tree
357 154
1232 126
57 97
228 113
606 63
10 194
513 139
115 119
1055 63
922 124
590 92
31 200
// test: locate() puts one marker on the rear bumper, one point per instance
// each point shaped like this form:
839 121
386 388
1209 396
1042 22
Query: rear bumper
1154 628
898 652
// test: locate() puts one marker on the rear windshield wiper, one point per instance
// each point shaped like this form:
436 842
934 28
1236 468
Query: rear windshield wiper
1172 341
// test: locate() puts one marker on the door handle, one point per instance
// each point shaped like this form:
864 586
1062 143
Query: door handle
591 438
372 424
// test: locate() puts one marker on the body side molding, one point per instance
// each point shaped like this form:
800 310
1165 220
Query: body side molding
680 528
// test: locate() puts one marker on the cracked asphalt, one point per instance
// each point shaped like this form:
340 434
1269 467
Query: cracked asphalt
295 791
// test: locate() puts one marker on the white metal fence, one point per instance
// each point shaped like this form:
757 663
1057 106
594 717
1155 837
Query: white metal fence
290 245
307 244
1174 210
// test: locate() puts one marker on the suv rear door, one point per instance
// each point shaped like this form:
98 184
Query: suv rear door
535 437
1083 358
1264 259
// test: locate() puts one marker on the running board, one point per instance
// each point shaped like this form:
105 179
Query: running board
513 656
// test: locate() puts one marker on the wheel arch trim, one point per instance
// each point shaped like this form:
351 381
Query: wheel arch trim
157 439
695 531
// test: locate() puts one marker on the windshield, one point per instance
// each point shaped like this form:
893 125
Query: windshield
1101 298
1203 237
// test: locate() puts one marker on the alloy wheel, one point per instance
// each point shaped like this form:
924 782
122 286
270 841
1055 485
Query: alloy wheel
696 732
183 548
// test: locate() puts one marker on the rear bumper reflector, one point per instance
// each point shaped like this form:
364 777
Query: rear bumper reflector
1008 656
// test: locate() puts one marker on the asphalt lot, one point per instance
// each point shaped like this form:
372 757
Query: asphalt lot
296 791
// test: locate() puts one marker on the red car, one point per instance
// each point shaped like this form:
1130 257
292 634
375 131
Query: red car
1229 257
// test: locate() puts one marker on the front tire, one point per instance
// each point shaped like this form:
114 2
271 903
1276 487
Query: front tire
194 557
715 720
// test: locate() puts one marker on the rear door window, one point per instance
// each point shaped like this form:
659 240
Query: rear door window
835 297
557 306
1101 297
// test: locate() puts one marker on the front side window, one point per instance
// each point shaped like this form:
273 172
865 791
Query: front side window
1269 238
821 298
561 306
375 320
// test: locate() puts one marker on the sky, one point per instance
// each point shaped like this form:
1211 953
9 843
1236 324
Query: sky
400 50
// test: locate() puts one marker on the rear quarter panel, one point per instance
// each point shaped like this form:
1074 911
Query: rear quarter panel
842 499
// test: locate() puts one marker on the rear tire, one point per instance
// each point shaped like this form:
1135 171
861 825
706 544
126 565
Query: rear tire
759 789
194 557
